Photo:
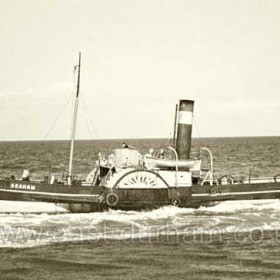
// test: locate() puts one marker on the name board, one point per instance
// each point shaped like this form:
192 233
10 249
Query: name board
23 186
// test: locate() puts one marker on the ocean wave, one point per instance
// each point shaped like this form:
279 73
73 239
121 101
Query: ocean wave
7 206
29 229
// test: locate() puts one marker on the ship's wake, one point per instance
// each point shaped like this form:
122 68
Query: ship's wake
33 229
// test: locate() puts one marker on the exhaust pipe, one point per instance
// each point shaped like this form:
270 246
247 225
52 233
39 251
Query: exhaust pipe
184 129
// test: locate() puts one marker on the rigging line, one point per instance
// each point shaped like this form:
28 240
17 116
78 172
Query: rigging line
60 113
56 119
90 120
86 118
54 123
87 122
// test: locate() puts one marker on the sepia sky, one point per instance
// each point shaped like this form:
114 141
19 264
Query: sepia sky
139 57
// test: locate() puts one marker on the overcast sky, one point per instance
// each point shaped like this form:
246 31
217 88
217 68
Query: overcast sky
139 57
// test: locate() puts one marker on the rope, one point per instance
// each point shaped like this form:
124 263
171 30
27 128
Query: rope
56 119
88 120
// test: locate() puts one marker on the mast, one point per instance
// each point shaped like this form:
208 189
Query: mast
74 122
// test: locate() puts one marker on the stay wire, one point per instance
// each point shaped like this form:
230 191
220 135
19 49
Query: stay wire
86 118
89 120
56 119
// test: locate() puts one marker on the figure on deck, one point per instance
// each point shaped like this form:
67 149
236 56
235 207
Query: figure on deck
162 153
125 146
25 175
151 151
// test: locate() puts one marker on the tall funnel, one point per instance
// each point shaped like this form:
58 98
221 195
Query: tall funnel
184 129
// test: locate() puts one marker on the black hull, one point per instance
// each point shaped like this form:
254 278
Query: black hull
93 198
196 196
56 193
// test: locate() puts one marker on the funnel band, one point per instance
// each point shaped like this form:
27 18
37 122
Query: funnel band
185 117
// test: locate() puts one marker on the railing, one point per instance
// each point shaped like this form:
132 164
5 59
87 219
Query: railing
210 171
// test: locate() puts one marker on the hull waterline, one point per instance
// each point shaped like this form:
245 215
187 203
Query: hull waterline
85 199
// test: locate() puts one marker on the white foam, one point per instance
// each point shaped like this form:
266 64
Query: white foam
7 206
240 205
27 229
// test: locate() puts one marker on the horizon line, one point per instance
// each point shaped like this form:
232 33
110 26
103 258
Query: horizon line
142 138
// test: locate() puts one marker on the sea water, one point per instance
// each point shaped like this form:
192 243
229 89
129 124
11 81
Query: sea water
230 240
27 224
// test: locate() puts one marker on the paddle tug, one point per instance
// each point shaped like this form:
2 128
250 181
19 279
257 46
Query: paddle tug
126 179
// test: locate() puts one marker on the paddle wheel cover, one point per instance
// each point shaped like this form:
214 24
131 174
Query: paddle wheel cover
141 179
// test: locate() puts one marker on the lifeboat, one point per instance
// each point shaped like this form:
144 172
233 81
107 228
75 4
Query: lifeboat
164 163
